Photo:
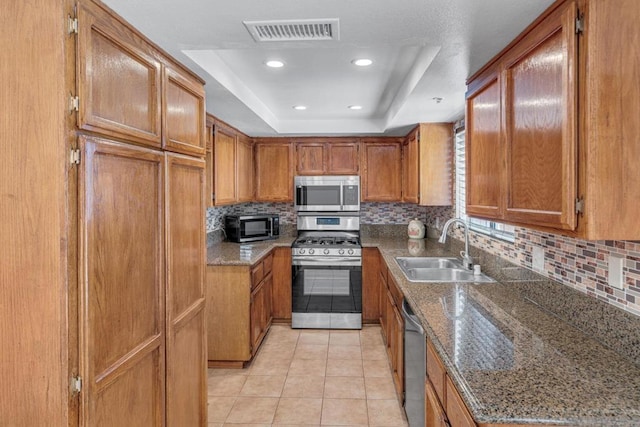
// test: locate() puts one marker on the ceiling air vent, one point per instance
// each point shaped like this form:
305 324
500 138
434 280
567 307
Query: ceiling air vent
294 30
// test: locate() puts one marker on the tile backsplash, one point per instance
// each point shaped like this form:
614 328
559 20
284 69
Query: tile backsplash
576 263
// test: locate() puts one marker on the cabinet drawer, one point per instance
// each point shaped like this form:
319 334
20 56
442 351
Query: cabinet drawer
436 372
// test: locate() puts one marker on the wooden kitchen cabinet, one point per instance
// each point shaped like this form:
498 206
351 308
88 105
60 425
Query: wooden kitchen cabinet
281 286
244 168
435 416
411 168
392 325
239 310
560 106
273 170
183 113
370 285
333 156
186 357
381 172
114 64
224 166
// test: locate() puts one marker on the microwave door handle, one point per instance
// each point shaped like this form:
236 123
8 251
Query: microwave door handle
341 196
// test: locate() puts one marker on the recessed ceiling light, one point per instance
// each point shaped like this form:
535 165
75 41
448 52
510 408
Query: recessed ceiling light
437 99
355 107
299 107
362 62
274 63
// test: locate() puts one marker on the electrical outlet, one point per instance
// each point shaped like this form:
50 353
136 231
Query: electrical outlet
538 258
616 275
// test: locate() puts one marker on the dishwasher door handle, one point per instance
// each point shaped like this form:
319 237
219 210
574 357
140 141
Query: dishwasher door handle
410 318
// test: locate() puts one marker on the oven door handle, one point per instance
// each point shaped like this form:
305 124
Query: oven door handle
329 262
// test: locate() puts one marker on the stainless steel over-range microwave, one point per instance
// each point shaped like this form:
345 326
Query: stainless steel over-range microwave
327 193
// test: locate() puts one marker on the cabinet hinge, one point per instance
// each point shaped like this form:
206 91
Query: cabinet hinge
580 23
580 205
74 103
76 384
74 157
72 25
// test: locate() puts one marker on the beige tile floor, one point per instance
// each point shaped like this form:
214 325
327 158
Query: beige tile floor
309 377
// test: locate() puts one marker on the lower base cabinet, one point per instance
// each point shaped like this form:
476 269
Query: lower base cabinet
239 311
392 325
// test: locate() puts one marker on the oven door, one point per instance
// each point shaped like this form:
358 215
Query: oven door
327 293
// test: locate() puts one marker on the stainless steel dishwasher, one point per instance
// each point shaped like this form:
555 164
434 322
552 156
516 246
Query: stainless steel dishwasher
415 367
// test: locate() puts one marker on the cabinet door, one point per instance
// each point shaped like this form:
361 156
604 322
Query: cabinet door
257 316
398 350
434 414
274 172
484 149
186 381
268 291
281 291
310 158
540 87
411 169
343 158
436 164
118 80
244 169
209 159
183 114
224 167
121 281
381 178
457 411
370 285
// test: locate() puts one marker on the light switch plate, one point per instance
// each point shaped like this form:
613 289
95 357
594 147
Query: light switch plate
538 259
616 275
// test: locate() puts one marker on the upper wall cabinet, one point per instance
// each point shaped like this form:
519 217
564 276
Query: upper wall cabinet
113 64
274 170
335 157
381 175
165 105
183 114
552 125
427 165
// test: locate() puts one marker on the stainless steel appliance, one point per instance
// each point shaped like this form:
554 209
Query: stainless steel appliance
250 228
327 272
327 193
415 367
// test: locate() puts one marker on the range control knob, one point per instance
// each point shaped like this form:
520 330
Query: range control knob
326 251
301 251
341 251
311 251
350 252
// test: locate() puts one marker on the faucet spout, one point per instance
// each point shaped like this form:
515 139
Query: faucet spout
467 262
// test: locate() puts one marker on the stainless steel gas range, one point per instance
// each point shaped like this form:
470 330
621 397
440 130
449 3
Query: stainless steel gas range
327 271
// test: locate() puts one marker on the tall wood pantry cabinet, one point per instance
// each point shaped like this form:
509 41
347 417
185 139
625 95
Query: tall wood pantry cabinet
104 255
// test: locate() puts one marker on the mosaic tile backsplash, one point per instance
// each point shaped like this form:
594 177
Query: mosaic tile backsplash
576 263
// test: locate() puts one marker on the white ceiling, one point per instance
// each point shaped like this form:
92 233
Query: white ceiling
422 49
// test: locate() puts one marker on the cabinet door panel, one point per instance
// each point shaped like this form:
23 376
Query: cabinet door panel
434 414
310 158
382 178
186 353
184 116
244 169
281 292
112 67
370 285
274 172
224 153
411 170
540 126
342 158
484 160
121 316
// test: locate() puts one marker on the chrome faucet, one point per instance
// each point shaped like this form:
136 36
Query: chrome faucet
467 262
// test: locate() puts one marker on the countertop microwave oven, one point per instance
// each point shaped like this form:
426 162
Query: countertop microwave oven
327 193
251 228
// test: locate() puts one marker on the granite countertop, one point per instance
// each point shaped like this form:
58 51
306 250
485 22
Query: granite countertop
512 360
229 253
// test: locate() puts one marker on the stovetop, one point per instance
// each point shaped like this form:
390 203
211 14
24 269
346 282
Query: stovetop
327 244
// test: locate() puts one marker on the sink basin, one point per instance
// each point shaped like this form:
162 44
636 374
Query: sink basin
427 269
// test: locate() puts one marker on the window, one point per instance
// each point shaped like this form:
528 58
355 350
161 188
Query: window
491 228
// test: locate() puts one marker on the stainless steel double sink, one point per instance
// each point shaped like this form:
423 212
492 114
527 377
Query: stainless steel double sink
435 269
